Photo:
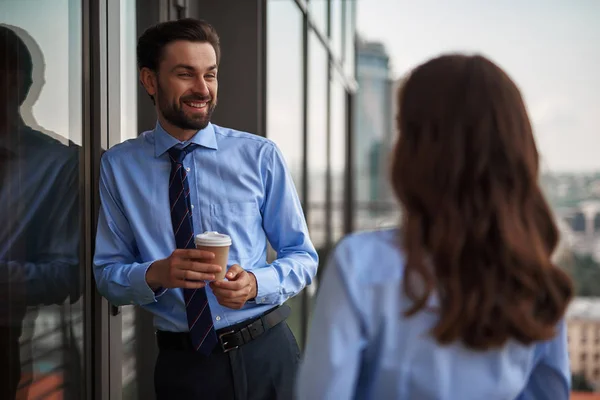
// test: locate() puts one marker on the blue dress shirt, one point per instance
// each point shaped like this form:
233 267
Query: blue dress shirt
361 347
239 185
39 229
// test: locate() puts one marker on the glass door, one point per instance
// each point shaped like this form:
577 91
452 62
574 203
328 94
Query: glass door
133 349
42 271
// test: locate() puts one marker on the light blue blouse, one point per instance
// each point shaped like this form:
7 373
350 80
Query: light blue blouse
361 347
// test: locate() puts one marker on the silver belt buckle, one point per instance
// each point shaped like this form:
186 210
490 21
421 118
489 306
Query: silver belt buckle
223 344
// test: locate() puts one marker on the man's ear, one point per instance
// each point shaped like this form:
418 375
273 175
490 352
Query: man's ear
149 79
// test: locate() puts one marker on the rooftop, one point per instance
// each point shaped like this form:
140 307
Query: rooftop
585 396
587 308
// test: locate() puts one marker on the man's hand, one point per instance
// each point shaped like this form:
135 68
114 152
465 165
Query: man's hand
185 268
237 290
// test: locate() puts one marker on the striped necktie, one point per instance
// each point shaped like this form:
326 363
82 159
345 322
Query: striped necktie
202 332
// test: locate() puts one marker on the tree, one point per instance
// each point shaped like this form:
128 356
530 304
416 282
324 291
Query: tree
580 383
586 275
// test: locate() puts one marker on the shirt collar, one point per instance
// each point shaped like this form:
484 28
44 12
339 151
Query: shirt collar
164 141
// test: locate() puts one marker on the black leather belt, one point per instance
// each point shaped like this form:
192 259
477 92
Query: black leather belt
231 337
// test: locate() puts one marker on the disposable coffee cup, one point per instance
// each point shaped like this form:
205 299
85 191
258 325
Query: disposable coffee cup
218 244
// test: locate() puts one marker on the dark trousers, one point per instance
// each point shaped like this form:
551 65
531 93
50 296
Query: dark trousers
10 361
263 369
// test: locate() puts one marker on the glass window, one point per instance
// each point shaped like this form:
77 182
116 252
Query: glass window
349 29
578 222
318 11
338 155
597 223
132 332
285 84
129 72
285 104
337 31
317 140
373 139
41 291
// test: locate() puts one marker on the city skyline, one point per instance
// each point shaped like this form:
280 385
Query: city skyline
550 48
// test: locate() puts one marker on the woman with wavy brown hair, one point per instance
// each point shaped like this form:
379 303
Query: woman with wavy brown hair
463 301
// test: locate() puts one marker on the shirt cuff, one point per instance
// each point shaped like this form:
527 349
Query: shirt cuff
268 290
142 292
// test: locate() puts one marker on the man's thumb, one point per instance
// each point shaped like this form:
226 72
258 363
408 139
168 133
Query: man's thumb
234 271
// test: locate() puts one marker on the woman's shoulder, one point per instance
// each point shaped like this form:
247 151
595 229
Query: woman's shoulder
367 240
371 256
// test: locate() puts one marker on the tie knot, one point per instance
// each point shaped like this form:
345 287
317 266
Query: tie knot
178 154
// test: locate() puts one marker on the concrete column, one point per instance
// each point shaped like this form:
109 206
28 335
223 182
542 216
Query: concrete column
242 80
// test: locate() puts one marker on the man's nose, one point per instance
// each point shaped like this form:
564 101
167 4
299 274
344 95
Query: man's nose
202 87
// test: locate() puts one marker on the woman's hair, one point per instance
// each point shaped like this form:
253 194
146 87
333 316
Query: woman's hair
477 231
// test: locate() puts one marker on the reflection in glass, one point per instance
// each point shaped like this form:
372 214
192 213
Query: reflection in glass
317 208
317 140
349 27
41 313
284 83
129 72
337 31
375 205
318 11
129 368
132 332
285 103
337 155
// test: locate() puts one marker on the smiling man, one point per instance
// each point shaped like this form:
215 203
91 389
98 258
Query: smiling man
227 339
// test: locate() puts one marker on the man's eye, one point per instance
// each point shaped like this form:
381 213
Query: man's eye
211 76
185 74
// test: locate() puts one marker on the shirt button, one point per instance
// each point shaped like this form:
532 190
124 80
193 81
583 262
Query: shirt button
188 169
218 318
192 206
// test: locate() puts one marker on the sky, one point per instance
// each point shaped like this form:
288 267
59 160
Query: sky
551 49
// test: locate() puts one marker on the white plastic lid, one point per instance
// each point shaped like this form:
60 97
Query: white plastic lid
215 239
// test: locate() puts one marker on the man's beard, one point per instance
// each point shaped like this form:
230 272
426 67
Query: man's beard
174 114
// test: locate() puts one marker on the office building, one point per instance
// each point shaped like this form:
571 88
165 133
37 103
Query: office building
374 134
583 322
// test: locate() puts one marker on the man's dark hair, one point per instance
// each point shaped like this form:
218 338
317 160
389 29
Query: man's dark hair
153 41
